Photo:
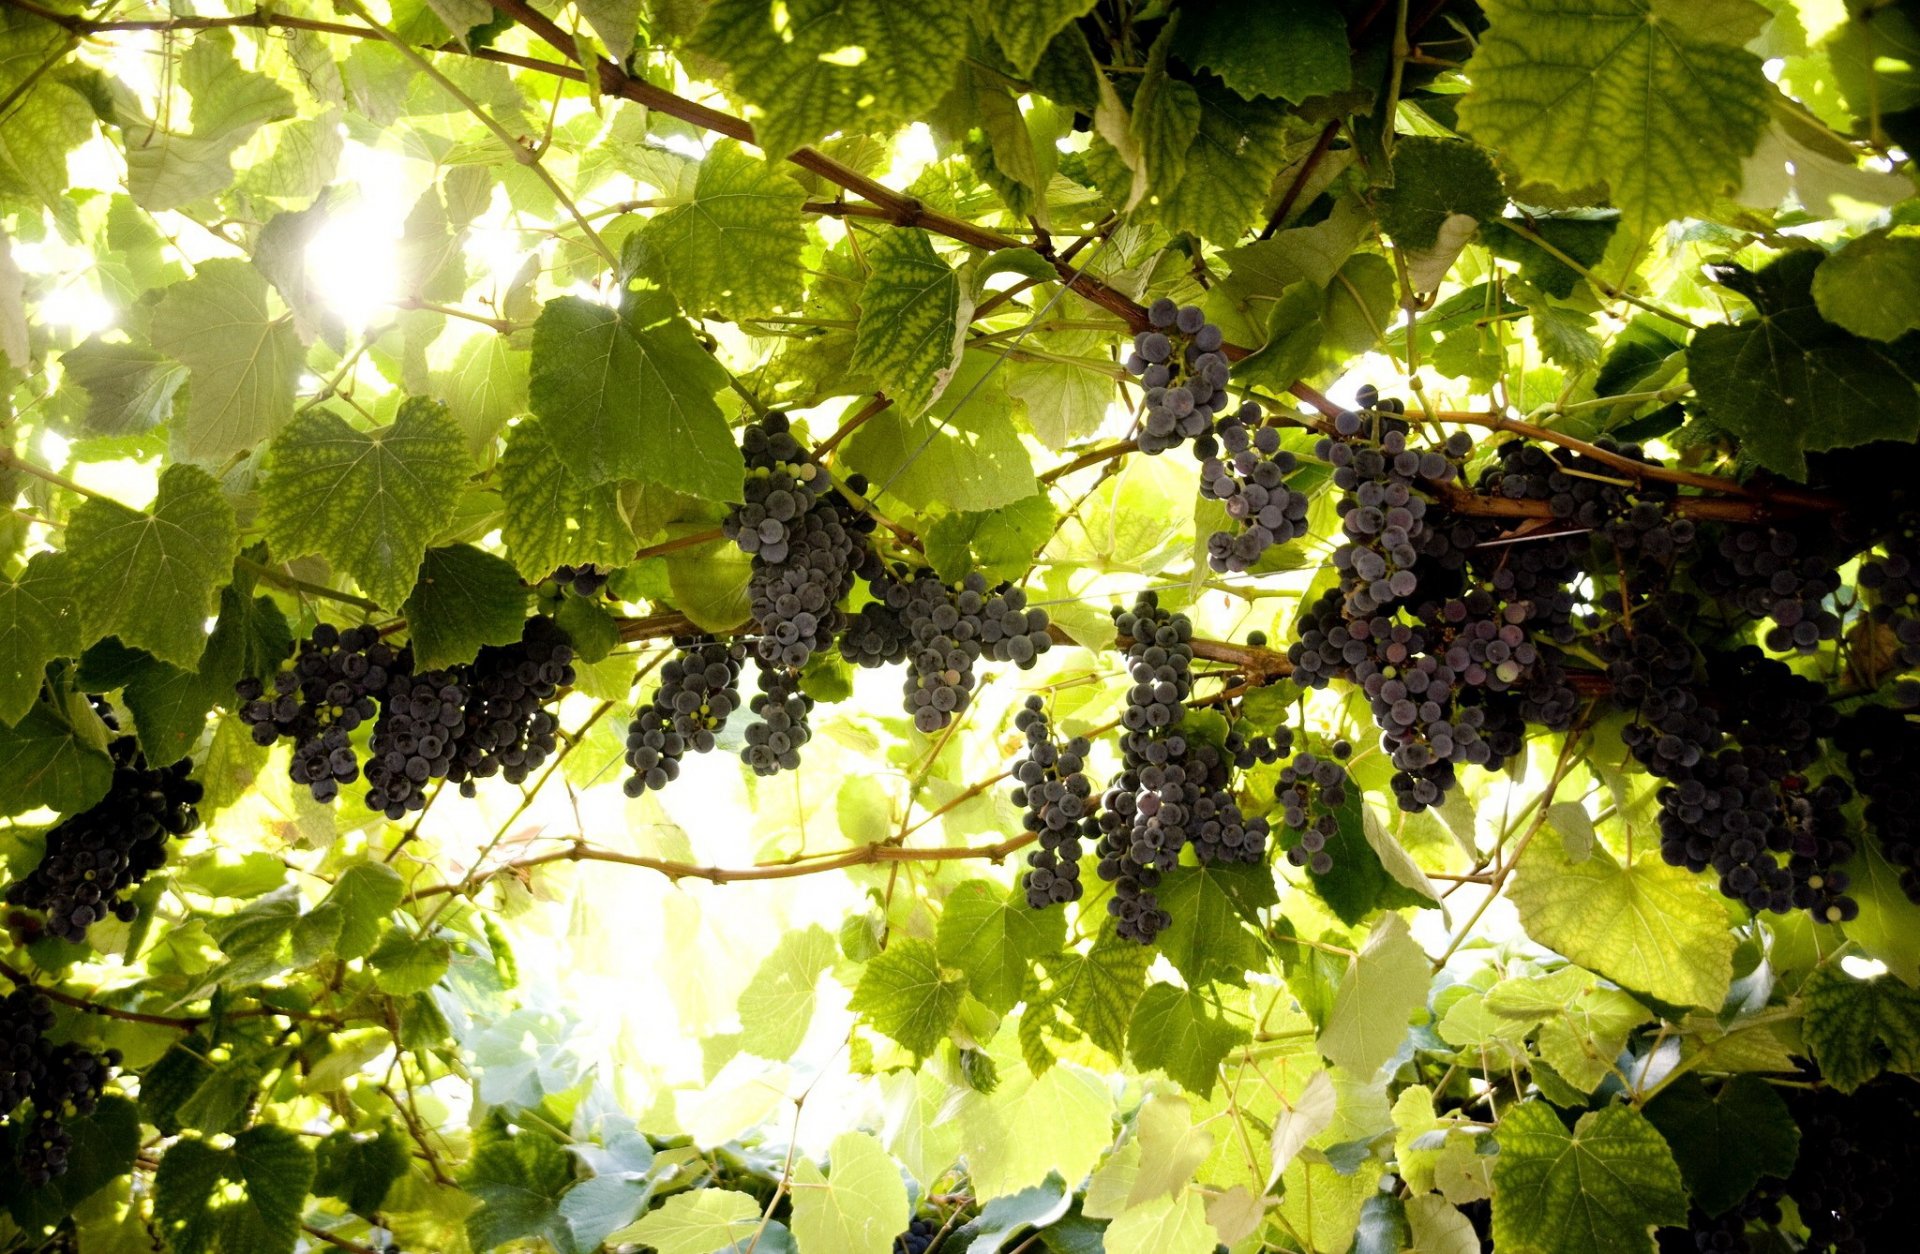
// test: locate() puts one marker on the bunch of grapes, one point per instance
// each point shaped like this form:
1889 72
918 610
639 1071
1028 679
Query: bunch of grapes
1891 578
1727 1233
1308 784
699 690
1180 364
949 630
414 740
780 722
506 729
318 701
58 1080
1783 572
584 581
807 544
877 635
1159 661
94 856
1858 1156
1251 479
918 1238
1883 753
1057 798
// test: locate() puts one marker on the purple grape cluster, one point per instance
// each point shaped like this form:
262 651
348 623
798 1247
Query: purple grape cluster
414 740
1056 798
585 580
331 688
699 691
780 724
93 857
43 1084
1249 474
946 631
808 545
1891 579
1179 362
1883 754
1858 1156
1311 791
507 729
1784 572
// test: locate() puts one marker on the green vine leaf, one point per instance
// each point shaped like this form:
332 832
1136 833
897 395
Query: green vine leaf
242 360
551 519
520 1180
613 397
1102 988
1384 984
39 621
1789 383
777 1005
819 66
1649 927
369 502
859 1207
907 993
1599 1189
1434 179
130 388
1654 102
735 247
152 577
1859 288
994 936
1177 1030
466 598
913 320
1024 28
245 1199
1258 49
1725 1142
1859 1028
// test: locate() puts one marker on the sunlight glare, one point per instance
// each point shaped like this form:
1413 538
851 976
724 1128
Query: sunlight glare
353 262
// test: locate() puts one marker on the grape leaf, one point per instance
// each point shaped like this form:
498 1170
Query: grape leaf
1433 179
698 1222
245 1199
242 361
1384 984
1635 95
997 1131
907 993
170 705
1101 988
1858 288
817 66
49 117
1164 1225
1222 187
360 1170
466 598
1292 51
735 247
409 964
369 502
1211 908
1858 1028
913 317
621 402
1725 1142
1177 1030
994 936
1024 28
347 921
167 169
519 1180
38 622
964 454
859 1208
484 388
549 518
153 577
105 1144
129 388
1595 1190
777 1004
1000 543
1648 927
